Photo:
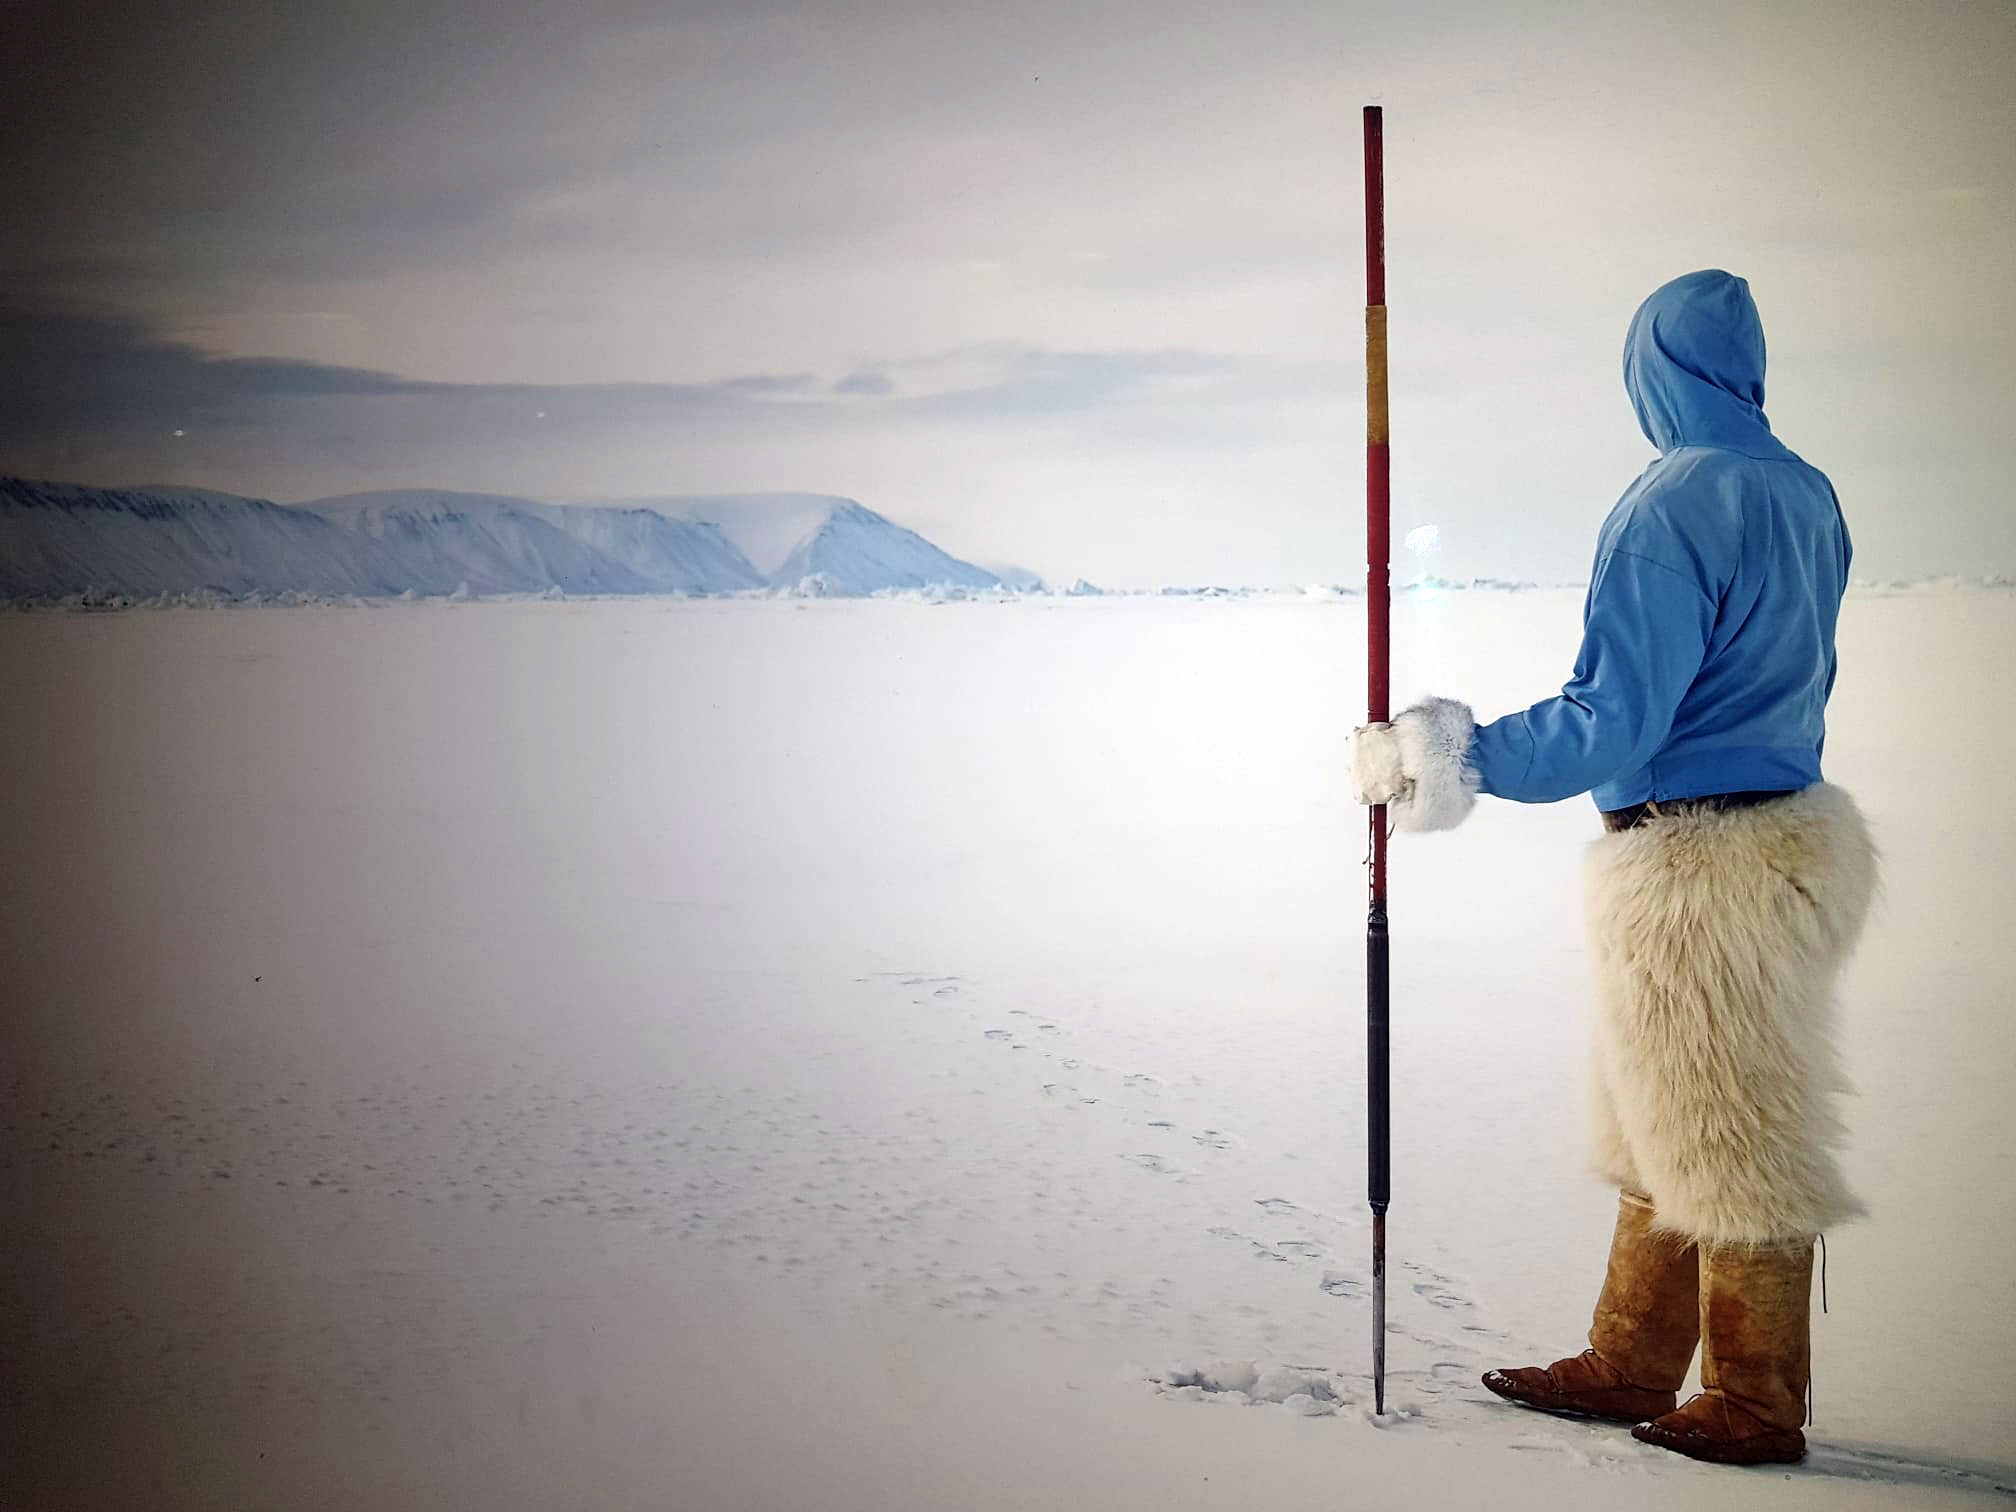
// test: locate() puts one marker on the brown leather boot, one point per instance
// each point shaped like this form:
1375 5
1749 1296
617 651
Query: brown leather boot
1756 1347
1641 1340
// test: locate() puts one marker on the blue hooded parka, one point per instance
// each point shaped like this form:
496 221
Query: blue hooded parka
1708 632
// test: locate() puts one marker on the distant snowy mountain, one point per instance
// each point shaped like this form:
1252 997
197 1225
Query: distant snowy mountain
59 539
764 527
501 544
492 543
674 555
857 551
827 544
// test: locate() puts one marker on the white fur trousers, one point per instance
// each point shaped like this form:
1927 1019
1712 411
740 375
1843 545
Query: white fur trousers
1716 938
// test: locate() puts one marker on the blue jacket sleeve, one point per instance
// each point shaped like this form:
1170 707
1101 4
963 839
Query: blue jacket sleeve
1644 636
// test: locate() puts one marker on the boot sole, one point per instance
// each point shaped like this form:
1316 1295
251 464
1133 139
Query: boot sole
1766 1449
1501 1385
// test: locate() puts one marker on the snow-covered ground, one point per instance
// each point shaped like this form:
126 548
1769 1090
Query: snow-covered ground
767 1054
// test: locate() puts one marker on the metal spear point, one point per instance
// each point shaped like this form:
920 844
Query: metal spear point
1378 609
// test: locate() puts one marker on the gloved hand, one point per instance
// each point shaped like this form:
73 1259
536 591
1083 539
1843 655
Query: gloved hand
1377 775
1418 765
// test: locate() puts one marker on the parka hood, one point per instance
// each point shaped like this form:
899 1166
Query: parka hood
1694 366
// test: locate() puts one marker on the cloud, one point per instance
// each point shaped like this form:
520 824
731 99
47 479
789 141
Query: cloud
92 397
1006 379
65 372
769 383
61 372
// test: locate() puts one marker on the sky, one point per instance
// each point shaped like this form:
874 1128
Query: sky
1072 286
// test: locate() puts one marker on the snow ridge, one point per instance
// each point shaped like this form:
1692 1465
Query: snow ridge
857 551
824 545
59 539
673 555
501 544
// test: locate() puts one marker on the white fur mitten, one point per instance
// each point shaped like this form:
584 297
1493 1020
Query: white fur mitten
1418 765
1376 773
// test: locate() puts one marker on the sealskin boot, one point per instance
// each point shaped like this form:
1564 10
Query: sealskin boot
1756 1351
1641 1340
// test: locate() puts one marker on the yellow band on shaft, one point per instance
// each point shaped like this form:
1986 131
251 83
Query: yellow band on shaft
1375 374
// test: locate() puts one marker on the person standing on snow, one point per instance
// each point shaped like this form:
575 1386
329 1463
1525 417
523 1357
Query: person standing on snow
1725 894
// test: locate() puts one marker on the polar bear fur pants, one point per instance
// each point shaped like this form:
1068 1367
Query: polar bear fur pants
1716 938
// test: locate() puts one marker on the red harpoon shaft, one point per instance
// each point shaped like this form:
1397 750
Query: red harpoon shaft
1378 664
